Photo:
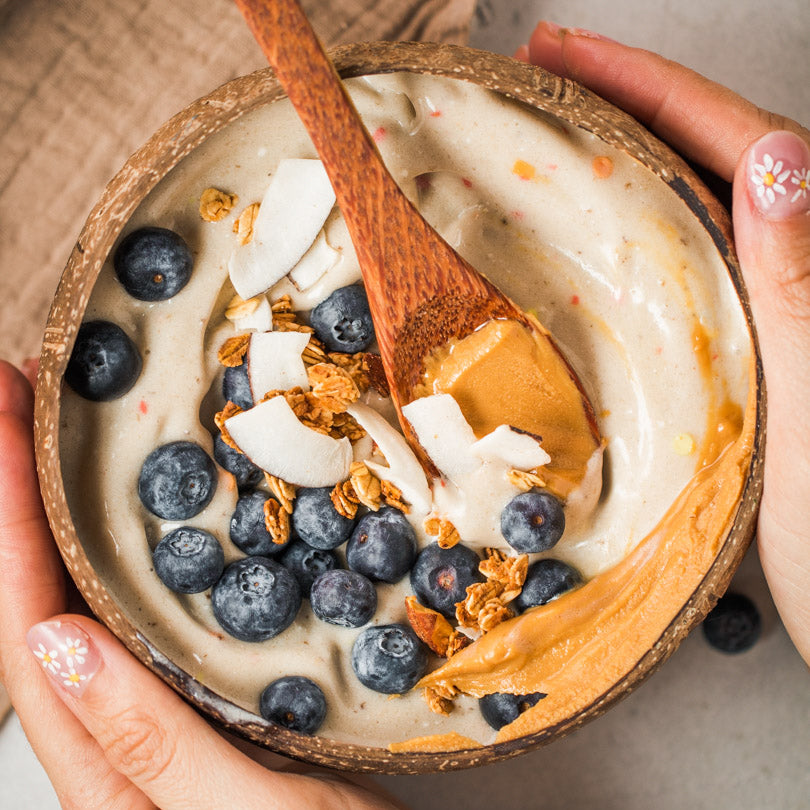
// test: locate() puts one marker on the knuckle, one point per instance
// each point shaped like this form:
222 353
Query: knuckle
139 747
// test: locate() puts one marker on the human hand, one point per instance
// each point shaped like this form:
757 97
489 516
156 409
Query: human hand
108 732
768 159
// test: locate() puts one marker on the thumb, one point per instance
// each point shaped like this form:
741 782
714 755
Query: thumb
772 231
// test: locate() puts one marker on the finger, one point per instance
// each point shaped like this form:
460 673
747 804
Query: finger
31 589
16 395
772 230
706 122
159 742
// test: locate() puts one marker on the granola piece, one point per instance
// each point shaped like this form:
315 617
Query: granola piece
285 318
215 204
509 571
277 521
525 480
283 490
436 701
333 386
392 495
343 424
355 365
243 226
232 352
443 530
344 499
239 308
230 409
314 352
433 629
366 485
492 614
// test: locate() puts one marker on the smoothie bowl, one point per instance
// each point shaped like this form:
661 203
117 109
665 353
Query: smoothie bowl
226 479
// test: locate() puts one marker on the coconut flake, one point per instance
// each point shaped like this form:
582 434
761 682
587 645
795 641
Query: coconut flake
519 450
404 470
273 438
274 362
292 213
315 263
445 434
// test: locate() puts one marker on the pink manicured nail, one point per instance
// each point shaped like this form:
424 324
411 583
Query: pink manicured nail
779 175
66 653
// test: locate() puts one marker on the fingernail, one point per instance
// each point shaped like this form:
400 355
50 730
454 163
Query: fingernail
779 175
584 32
66 653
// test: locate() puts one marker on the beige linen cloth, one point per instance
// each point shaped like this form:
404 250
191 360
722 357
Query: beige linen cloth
83 83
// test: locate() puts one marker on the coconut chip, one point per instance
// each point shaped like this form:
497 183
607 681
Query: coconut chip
276 521
443 530
216 205
232 352
243 226
283 490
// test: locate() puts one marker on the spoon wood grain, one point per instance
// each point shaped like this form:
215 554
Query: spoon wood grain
421 292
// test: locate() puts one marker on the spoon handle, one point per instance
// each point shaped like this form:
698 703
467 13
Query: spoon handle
404 261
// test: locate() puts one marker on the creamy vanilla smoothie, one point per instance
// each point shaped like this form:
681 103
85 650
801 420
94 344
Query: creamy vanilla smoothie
605 256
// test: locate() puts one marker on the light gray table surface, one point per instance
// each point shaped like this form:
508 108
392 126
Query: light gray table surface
708 730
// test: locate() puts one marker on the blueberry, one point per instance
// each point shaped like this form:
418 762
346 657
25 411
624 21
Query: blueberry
545 580
382 545
343 597
177 481
317 522
343 320
153 264
104 364
248 530
189 560
532 521
255 599
246 473
733 625
501 708
307 563
388 658
440 576
236 386
294 702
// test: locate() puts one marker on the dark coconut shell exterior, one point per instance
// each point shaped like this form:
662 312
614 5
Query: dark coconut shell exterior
532 86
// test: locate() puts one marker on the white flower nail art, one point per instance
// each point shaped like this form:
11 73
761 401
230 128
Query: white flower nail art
768 178
75 652
48 658
72 678
800 179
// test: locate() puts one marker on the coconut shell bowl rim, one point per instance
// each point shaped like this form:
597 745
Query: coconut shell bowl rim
532 86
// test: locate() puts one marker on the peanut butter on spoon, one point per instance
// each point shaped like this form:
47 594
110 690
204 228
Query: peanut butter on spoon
421 293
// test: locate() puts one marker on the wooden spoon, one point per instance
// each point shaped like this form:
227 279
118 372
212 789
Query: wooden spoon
421 293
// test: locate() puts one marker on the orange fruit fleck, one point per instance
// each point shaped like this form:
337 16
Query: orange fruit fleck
525 171
602 167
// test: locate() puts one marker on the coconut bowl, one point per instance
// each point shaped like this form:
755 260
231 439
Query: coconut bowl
559 98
